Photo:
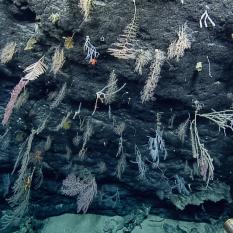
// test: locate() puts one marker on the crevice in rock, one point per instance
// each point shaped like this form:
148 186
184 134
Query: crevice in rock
21 11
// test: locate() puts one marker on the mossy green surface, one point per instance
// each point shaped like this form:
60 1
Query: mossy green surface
89 223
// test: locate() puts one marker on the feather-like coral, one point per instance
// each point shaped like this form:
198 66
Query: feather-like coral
153 78
124 48
58 60
86 6
143 57
7 52
35 70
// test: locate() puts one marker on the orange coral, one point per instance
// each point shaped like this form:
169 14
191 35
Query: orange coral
93 61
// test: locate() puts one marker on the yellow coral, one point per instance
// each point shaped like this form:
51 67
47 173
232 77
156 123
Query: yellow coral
31 43
67 125
54 18
69 43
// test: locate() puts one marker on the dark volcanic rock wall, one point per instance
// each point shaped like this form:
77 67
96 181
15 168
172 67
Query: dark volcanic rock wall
180 85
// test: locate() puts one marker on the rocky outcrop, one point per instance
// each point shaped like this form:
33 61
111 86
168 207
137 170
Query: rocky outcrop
126 121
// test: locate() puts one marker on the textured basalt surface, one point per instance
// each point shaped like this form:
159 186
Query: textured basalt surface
179 86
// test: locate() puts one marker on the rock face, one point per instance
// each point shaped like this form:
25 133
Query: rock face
81 223
108 143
